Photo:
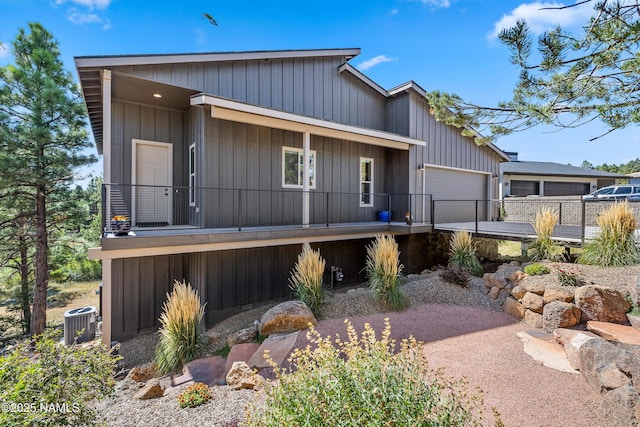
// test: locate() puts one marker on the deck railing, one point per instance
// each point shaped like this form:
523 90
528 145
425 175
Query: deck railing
148 207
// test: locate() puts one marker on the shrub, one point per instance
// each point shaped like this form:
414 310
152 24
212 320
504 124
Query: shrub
462 253
384 272
456 275
195 395
50 384
180 335
543 225
306 278
568 278
614 245
536 269
361 381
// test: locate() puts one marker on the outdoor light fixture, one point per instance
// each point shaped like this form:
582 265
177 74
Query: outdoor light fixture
157 95
336 275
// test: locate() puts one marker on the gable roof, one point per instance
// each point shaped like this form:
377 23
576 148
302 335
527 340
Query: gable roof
553 169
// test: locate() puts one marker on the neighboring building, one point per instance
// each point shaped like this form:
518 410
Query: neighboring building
227 162
522 178
634 178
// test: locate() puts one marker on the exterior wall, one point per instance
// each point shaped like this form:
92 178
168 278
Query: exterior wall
308 86
506 181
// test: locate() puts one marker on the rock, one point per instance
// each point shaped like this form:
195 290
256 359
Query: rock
544 349
142 373
602 304
212 336
289 316
517 276
634 320
534 288
620 407
518 292
278 346
151 390
513 307
240 353
572 340
598 365
563 294
558 314
241 376
614 332
533 319
242 336
208 370
533 302
494 293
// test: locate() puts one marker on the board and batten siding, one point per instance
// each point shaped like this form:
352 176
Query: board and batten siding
311 87
228 281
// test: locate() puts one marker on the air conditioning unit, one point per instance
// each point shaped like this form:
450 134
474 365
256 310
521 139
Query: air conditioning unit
79 325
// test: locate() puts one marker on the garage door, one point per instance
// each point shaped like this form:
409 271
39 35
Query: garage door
455 192
525 188
566 188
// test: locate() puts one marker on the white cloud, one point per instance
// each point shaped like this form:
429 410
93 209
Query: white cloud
437 3
79 18
91 4
4 50
369 63
540 18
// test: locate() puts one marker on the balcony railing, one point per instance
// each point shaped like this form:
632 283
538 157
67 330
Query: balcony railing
150 207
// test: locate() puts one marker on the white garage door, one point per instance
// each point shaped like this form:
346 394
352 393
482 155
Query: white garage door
455 193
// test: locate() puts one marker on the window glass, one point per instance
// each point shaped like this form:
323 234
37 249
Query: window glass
192 175
366 182
293 168
623 190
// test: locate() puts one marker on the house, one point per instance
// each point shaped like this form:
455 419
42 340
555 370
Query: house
226 163
523 178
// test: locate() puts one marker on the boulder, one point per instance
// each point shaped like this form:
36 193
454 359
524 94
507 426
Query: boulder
513 307
634 320
533 302
517 276
620 407
151 390
602 303
544 349
242 336
614 332
533 319
560 293
289 316
534 288
241 376
518 292
142 373
494 293
212 336
572 340
558 314
598 365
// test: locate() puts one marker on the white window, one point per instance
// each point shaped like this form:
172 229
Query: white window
192 175
293 168
366 182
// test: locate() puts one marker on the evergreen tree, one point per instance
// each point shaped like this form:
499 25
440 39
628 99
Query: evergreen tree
43 142
577 79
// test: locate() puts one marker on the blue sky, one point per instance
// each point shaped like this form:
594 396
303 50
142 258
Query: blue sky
448 45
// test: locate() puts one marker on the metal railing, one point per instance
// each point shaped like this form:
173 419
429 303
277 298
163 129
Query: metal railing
150 207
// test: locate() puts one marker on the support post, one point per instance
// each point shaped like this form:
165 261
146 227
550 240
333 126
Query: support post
306 174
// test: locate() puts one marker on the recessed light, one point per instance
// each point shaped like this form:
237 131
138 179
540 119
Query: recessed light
157 95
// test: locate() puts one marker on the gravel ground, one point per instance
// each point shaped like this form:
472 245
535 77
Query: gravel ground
465 332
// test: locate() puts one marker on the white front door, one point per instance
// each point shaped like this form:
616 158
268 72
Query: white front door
153 176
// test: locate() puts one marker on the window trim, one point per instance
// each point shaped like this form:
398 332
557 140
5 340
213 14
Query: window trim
300 152
192 174
370 182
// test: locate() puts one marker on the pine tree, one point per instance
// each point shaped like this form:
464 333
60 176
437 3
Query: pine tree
43 142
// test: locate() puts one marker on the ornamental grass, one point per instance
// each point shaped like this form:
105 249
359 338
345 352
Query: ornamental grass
543 247
462 253
306 278
180 334
615 245
384 272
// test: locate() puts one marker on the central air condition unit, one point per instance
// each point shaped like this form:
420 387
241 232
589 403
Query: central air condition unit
79 325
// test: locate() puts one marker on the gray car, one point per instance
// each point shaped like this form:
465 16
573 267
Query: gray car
615 192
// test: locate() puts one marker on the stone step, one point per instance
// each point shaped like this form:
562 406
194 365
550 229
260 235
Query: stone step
572 340
615 332
543 348
209 370
278 345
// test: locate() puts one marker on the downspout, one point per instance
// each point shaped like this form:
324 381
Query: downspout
306 174
106 157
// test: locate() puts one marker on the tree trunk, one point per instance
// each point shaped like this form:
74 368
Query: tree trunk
39 313
24 288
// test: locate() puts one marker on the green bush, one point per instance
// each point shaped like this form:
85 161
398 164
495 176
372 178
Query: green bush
195 395
543 247
536 269
568 278
614 245
51 384
363 382
180 334
384 272
306 278
462 253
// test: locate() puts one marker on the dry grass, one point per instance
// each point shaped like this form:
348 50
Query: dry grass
384 272
306 278
462 253
543 224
